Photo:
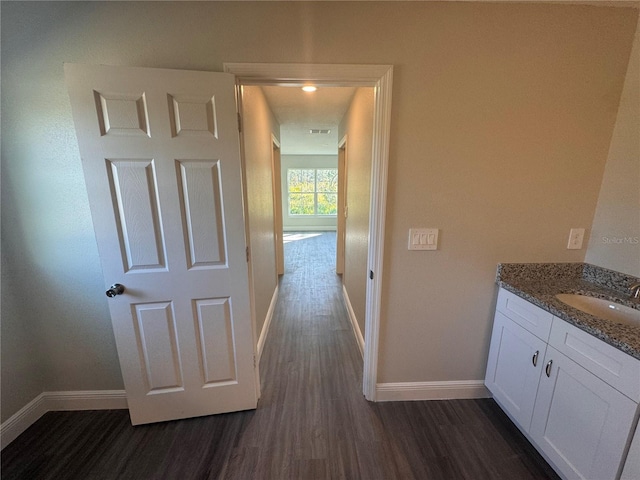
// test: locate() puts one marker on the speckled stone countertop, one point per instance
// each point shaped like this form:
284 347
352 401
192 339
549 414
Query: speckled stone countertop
539 283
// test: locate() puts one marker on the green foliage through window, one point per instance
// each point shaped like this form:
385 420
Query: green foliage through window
312 191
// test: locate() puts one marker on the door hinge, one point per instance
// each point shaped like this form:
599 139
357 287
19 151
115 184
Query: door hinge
239 122
247 251
371 274
255 364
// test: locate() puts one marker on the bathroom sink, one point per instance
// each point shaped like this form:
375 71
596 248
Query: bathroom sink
602 308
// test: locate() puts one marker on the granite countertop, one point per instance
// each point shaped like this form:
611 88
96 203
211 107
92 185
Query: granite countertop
539 283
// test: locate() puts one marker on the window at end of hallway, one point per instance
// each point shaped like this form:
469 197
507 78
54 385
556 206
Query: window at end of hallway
312 191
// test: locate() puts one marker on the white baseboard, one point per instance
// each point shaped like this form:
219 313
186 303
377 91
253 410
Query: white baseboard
59 401
267 323
394 392
354 321
86 400
21 420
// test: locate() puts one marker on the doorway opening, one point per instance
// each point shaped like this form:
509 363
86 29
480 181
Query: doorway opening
380 78
310 164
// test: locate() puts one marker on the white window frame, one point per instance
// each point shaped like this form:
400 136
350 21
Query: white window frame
315 194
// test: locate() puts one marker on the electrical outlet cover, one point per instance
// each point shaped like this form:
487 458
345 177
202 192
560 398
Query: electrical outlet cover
576 237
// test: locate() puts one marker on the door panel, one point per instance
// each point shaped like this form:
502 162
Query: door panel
192 115
132 184
215 335
122 114
158 344
201 208
160 153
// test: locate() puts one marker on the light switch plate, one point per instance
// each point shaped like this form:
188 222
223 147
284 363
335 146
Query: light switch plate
423 239
576 236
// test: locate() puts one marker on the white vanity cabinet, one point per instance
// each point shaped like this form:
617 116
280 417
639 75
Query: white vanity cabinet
577 404
518 346
580 423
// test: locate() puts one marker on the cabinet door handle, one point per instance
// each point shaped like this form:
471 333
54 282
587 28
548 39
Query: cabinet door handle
535 358
548 368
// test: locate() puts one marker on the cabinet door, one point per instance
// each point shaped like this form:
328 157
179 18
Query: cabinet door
580 423
513 369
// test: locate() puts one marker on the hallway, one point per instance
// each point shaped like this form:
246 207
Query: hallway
312 421
311 405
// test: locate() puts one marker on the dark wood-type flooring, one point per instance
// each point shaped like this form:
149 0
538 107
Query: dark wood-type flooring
312 421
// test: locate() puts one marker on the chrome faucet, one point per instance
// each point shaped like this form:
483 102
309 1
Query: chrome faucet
635 290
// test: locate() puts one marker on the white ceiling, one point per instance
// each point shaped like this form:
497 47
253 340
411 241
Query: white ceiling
298 112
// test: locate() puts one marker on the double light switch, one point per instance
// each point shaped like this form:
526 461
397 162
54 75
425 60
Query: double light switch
423 239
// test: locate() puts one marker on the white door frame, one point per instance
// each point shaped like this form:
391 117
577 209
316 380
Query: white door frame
380 77
277 204
342 209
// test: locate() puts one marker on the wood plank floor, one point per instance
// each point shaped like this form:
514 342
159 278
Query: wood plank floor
312 421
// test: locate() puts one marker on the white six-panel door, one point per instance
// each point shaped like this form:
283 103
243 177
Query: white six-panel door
160 153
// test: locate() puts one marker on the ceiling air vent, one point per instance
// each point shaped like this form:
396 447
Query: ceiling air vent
317 131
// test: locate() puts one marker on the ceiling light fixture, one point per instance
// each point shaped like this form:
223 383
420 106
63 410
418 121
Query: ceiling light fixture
309 88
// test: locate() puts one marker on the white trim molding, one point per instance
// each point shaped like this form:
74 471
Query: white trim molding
402 391
86 400
377 216
298 74
354 321
267 323
21 420
380 77
59 401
